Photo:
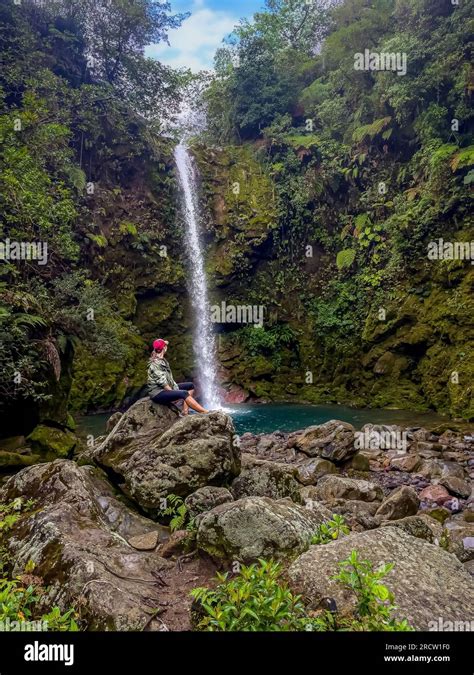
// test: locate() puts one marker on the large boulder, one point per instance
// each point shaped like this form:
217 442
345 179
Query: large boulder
427 581
77 536
257 527
333 440
261 478
155 453
331 488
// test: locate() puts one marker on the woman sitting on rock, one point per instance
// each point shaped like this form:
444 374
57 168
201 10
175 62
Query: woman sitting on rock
161 386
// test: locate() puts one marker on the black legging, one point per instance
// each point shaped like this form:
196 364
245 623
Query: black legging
170 395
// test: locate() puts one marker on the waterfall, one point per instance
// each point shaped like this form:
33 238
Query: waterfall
203 342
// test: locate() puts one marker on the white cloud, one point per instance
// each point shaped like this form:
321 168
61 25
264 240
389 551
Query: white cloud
193 44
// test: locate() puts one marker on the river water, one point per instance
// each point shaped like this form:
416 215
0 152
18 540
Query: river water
268 417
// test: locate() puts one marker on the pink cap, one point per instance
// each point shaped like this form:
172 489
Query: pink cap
159 345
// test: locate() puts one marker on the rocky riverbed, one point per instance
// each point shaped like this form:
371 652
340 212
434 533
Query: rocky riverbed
98 536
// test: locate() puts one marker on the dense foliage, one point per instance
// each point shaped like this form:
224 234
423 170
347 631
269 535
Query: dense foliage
258 598
324 184
77 157
368 167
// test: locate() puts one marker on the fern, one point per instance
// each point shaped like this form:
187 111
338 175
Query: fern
345 258
369 131
463 158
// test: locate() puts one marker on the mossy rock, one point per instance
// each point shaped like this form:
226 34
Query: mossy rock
16 460
51 442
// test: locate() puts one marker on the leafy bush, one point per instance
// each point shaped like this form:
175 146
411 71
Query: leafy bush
266 340
258 599
255 600
375 602
330 530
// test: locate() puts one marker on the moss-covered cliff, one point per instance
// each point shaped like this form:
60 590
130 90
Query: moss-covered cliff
408 345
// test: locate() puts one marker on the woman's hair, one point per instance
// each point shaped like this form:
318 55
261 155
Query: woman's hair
155 354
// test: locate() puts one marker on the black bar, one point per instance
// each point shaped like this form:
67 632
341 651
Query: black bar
156 652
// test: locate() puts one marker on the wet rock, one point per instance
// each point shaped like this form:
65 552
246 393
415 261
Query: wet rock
311 470
157 454
401 503
262 478
424 579
76 536
333 440
257 527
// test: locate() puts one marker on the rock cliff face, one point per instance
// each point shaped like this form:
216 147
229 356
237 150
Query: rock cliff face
405 359
417 357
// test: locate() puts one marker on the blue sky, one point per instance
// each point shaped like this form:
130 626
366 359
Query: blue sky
194 43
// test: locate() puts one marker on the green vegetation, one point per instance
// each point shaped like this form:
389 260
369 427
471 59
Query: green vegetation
84 172
178 513
324 186
330 530
374 601
367 168
258 599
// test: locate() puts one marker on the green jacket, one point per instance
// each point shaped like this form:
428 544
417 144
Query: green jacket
159 375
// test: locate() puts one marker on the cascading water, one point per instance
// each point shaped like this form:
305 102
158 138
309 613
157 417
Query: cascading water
204 342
